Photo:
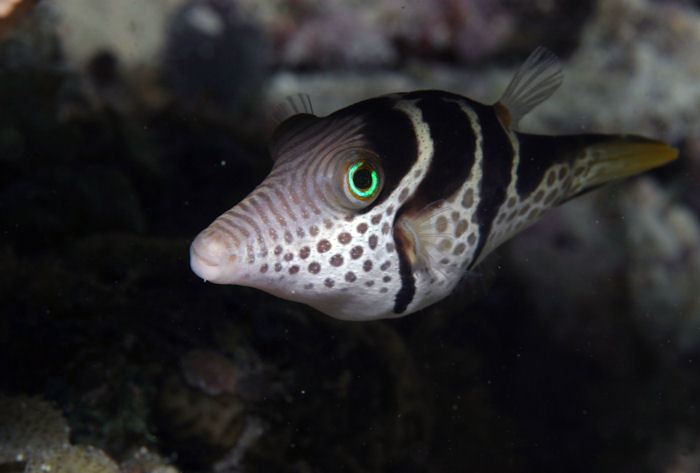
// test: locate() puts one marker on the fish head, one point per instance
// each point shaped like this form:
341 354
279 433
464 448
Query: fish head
319 228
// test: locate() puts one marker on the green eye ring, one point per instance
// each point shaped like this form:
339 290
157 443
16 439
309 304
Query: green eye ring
362 180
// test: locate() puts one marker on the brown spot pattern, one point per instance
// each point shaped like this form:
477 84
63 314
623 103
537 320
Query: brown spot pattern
336 260
445 245
323 246
468 199
462 227
345 238
356 252
441 224
550 178
373 241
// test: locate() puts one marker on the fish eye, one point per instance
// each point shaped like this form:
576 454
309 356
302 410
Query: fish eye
362 181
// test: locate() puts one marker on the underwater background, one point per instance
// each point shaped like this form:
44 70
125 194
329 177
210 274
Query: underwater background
126 126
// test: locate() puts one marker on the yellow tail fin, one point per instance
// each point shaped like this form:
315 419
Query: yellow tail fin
618 157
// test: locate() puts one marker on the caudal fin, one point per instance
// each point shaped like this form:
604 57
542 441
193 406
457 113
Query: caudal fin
617 157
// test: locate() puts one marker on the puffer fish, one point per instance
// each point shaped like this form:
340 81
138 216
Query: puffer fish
380 209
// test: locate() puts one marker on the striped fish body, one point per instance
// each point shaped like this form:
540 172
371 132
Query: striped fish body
380 208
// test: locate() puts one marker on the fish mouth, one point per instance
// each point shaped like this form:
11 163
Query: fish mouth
211 258
200 258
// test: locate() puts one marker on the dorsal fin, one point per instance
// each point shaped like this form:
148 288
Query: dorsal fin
534 82
292 116
285 134
292 105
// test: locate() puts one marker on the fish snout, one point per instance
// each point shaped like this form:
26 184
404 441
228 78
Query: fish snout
213 257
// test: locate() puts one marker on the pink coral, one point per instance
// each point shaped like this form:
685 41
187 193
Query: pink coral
338 37
332 33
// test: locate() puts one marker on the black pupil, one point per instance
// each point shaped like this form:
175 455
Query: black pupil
362 178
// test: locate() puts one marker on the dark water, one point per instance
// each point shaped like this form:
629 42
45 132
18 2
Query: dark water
108 168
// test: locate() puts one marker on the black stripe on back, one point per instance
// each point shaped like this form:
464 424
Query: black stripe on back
497 163
454 143
389 133
453 158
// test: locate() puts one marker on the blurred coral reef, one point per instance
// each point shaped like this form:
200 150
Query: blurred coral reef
34 438
126 126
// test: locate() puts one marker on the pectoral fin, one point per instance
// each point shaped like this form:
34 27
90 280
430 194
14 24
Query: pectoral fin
429 235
